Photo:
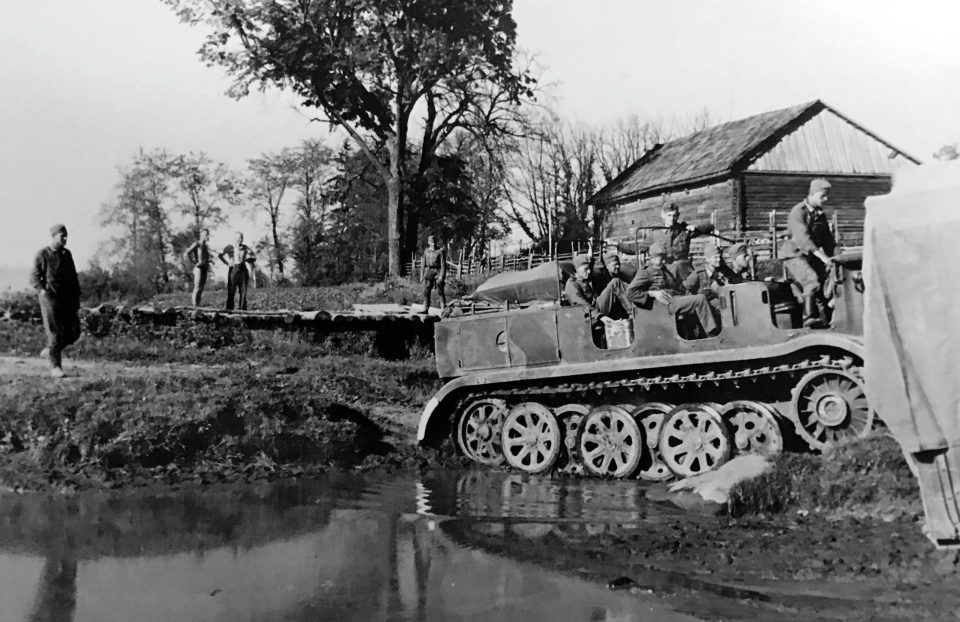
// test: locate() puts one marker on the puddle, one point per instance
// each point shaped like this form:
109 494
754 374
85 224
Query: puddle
344 547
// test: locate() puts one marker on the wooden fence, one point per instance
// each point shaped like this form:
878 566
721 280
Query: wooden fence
763 244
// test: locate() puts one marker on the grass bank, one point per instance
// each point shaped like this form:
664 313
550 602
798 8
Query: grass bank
864 478
202 425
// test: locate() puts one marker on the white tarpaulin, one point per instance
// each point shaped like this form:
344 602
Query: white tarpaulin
911 268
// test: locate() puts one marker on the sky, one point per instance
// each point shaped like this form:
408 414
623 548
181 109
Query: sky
87 84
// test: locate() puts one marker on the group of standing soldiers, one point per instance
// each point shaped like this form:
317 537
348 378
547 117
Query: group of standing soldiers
238 258
670 279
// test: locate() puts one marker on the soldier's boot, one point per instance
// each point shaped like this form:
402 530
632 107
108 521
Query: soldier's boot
811 313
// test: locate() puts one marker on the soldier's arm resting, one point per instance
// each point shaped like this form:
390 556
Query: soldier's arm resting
691 284
38 274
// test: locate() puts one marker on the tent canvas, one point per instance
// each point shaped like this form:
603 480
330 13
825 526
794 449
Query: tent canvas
912 340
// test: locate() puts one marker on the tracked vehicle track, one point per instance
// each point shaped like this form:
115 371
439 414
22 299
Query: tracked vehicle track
822 397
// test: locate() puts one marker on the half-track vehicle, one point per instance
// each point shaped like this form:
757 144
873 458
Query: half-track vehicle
529 385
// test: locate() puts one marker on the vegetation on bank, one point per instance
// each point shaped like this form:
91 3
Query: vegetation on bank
227 422
864 478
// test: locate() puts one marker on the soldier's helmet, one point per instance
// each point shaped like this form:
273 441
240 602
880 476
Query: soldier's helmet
789 249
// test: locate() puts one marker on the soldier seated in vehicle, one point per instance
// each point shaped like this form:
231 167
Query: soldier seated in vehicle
656 283
611 304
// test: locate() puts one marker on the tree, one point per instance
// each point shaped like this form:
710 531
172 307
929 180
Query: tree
312 171
141 212
367 65
551 177
270 176
207 187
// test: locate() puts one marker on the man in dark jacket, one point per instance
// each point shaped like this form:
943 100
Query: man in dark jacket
811 234
656 283
54 276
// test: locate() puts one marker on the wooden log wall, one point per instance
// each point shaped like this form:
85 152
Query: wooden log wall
697 206
776 191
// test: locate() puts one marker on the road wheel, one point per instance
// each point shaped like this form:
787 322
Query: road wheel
478 431
755 428
651 416
611 443
694 440
570 417
531 438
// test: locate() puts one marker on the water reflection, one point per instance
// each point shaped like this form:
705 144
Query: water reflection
344 547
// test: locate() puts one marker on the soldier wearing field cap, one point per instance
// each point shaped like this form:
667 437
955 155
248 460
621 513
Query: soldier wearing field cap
675 238
578 288
612 301
657 283
814 242
54 276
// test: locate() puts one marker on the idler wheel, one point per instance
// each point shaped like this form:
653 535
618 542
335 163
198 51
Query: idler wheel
531 438
479 428
830 405
755 428
611 443
694 440
651 416
570 417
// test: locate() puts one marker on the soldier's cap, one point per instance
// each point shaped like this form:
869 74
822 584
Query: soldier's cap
672 207
738 249
57 229
819 184
610 256
656 249
711 251
789 249
581 260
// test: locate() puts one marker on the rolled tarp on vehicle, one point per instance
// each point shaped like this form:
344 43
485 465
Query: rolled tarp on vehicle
912 334
540 283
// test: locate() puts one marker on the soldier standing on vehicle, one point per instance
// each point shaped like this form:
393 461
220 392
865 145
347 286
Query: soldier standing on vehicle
659 283
814 241
238 275
54 276
199 255
434 273
675 238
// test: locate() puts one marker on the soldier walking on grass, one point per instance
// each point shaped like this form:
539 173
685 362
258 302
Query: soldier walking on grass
434 273
238 275
54 276
199 255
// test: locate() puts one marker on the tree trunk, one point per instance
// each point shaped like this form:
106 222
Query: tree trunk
276 247
397 149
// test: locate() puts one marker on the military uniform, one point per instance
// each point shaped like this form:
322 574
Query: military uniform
54 276
810 231
434 275
675 242
663 278
238 275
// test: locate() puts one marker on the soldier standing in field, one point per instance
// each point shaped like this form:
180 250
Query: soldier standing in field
814 243
434 273
54 276
238 275
199 255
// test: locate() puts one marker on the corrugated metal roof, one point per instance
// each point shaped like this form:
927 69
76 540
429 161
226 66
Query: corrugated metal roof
717 151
